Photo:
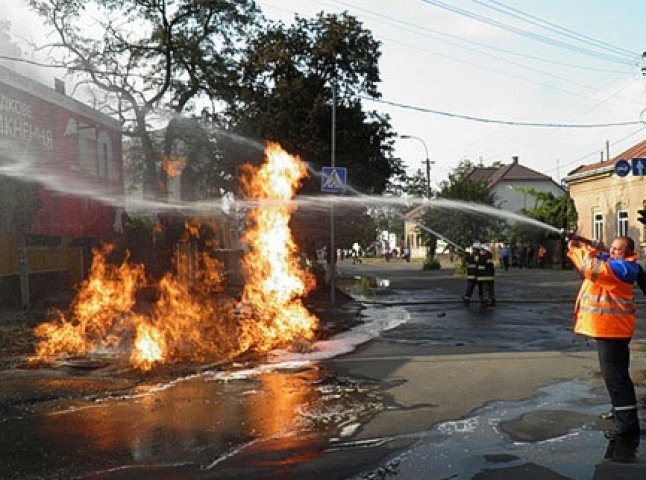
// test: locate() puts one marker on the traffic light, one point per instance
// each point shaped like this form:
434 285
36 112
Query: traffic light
642 216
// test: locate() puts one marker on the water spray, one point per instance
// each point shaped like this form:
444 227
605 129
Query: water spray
440 236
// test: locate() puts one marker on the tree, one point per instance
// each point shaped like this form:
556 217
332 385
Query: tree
455 224
412 185
558 212
290 76
151 57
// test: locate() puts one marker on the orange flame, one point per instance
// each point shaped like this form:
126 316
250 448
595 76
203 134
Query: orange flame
102 301
173 166
191 320
149 347
275 283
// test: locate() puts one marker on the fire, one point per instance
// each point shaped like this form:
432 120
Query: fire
149 347
275 283
173 166
97 313
191 319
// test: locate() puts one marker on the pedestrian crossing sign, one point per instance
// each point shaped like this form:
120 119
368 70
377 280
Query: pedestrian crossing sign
333 179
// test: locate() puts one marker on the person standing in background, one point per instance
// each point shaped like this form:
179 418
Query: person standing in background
505 253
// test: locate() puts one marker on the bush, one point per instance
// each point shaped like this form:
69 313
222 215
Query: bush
365 285
431 264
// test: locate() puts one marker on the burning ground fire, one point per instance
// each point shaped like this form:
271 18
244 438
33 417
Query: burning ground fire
192 323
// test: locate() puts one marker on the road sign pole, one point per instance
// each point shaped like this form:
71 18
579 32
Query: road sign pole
332 161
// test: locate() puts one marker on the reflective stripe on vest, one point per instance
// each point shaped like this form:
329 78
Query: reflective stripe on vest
607 299
595 271
607 311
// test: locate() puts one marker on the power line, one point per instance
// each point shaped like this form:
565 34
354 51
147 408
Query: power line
596 152
426 30
498 121
555 27
534 36
437 35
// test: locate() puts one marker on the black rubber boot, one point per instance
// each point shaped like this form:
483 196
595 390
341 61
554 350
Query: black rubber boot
626 424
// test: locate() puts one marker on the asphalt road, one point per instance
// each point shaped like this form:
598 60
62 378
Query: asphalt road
443 392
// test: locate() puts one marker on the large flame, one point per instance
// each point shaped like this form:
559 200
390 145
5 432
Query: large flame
191 319
275 283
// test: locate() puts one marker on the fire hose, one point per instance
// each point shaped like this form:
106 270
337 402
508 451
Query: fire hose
581 239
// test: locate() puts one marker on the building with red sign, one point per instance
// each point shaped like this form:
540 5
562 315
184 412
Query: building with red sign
74 154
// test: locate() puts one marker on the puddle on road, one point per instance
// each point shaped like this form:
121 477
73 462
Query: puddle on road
555 434
276 418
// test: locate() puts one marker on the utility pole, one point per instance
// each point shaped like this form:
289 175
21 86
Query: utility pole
428 162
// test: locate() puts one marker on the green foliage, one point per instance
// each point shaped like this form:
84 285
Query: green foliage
413 185
285 94
431 264
460 269
454 223
558 212
389 219
365 286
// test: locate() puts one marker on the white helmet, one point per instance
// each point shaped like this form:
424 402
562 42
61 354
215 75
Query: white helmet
477 245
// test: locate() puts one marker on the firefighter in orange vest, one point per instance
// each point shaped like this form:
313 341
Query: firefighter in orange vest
605 310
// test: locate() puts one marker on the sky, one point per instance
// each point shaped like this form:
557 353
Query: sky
563 62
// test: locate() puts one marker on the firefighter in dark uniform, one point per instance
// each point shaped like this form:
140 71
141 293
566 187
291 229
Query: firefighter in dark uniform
486 272
472 273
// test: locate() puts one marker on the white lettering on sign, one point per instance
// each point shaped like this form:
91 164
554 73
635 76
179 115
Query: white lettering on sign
14 107
15 123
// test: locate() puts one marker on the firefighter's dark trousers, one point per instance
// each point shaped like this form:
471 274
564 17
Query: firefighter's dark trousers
614 360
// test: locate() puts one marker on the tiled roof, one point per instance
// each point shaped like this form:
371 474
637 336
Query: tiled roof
638 150
480 174
516 172
510 172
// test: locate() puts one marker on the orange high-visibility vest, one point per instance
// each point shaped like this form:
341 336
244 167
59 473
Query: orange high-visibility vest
605 306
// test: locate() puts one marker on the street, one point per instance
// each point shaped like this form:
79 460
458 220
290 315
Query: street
422 388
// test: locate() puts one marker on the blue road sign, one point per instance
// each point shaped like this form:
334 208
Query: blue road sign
333 179
622 168
639 166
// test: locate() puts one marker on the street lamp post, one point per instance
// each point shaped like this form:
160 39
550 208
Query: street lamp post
428 162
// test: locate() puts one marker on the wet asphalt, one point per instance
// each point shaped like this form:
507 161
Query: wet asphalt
357 416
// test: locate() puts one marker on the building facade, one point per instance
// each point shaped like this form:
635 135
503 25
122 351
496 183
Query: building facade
606 202
73 153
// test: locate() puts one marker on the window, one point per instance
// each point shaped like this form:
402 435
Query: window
622 223
597 226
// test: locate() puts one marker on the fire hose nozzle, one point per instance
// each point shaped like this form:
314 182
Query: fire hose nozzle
581 239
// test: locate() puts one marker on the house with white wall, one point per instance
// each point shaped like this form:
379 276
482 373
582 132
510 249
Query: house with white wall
511 184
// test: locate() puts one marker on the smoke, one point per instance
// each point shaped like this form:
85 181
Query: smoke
21 35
